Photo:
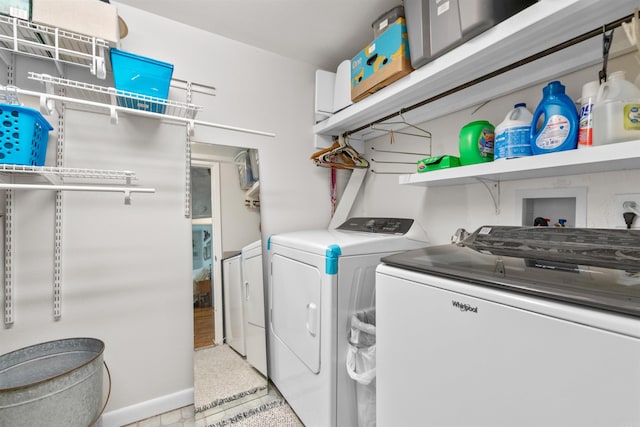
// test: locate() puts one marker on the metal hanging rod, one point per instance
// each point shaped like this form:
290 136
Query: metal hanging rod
512 66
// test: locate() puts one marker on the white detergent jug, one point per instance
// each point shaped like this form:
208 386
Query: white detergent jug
513 134
616 111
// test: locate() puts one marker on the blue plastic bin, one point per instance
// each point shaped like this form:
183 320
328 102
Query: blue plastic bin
24 135
144 76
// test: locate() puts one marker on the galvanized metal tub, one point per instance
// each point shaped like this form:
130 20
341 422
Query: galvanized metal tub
56 383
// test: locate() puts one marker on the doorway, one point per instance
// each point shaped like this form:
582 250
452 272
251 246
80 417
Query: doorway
203 183
223 224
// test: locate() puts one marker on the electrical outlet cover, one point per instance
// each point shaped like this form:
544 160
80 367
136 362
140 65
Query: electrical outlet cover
618 210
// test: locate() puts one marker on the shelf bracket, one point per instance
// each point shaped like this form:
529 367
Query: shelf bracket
191 128
46 105
113 115
493 187
98 65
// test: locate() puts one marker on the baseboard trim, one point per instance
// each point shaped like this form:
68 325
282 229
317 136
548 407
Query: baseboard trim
149 408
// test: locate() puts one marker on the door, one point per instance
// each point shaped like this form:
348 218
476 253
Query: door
295 308
255 333
252 271
233 291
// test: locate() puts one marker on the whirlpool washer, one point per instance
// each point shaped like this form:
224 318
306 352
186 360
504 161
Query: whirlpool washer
514 326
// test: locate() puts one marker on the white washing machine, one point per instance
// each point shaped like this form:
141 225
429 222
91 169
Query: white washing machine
233 303
516 326
317 280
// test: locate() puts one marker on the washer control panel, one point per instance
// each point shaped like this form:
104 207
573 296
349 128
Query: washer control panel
378 225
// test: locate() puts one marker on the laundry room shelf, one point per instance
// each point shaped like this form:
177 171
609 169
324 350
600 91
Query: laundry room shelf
605 158
19 177
30 39
48 101
539 27
112 96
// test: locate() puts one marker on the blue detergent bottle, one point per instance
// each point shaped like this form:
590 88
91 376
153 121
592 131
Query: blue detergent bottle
555 124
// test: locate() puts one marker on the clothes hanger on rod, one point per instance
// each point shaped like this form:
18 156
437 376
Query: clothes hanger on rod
340 155
421 133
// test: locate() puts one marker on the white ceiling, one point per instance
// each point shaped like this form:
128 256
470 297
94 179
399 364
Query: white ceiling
319 32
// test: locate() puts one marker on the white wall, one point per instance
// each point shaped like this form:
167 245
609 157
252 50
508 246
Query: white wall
240 225
442 210
127 269
256 90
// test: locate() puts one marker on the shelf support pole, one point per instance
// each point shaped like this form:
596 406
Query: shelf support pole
8 226
8 258
57 248
187 157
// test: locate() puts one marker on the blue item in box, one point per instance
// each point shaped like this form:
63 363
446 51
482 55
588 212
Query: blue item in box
24 135
382 62
144 76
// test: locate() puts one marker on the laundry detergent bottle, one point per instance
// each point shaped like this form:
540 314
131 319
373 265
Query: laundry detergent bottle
476 142
512 134
616 111
555 123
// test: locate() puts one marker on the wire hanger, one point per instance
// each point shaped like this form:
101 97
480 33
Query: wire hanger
422 132
340 155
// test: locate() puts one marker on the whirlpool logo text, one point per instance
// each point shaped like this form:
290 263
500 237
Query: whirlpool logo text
464 307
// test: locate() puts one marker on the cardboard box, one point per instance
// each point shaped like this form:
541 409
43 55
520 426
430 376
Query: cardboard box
89 17
382 62
16 8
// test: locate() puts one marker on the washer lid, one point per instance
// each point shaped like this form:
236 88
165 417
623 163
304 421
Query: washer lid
592 267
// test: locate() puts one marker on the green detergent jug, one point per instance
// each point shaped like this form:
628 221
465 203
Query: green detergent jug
476 142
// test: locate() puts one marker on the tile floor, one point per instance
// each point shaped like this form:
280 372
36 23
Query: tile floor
185 417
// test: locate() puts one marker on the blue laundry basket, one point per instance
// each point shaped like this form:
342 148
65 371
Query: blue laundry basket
24 134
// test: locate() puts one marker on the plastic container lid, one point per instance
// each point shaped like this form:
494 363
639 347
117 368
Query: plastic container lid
589 90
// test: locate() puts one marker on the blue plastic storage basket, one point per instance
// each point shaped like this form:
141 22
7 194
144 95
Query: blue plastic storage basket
24 134
140 75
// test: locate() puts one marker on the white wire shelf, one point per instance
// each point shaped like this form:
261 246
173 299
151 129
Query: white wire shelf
78 173
48 103
57 179
30 39
112 96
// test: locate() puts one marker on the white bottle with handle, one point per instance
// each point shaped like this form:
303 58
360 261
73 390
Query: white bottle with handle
616 111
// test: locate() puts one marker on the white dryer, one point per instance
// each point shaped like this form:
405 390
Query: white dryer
254 327
317 280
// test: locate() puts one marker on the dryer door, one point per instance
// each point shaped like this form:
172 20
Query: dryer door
295 306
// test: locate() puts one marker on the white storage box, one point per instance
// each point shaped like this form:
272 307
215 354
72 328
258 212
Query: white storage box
89 17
